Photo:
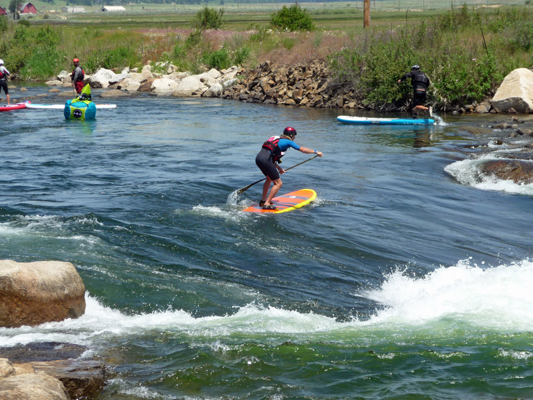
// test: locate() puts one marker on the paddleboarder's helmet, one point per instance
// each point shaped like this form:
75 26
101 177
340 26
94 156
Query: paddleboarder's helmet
416 66
1 62
76 60
288 131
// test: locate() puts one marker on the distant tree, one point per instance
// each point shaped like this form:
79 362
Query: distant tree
14 7
293 18
208 18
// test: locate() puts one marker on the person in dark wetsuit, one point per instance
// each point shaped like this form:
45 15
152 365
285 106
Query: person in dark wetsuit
268 161
420 83
4 73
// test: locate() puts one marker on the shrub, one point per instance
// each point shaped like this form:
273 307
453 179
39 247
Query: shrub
208 18
4 24
242 55
113 58
218 59
293 18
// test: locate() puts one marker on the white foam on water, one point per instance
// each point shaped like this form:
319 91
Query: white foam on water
439 121
495 298
48 226
123 387
498 298
467 172
229 213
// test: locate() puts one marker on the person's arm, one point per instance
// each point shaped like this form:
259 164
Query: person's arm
403 78
310 151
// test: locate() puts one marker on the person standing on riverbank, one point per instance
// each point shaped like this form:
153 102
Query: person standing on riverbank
268 161
78 74
420 83
4 73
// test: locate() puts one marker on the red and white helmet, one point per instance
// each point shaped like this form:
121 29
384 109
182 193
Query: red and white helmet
288 131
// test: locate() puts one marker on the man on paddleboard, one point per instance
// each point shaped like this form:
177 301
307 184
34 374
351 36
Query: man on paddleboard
77 76
4 73
420 83
268 161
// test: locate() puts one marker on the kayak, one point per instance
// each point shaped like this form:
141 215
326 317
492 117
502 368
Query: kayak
62 106
17 106
384 121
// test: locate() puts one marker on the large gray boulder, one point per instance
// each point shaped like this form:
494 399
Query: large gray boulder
164 86
189 86
516 91
38 292
214 91
102 78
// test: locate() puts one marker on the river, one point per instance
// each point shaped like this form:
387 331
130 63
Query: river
400 281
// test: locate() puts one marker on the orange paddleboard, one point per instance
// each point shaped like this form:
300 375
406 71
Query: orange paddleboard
287 202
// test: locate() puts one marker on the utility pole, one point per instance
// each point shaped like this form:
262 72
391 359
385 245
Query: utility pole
366 23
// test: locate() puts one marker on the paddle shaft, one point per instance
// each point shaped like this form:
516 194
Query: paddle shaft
242 190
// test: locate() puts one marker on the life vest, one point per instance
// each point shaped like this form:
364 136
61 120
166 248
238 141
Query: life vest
2 75
421 81
82 74
272 145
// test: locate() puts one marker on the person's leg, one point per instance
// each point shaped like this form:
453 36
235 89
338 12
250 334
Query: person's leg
277 186
266 186
8 99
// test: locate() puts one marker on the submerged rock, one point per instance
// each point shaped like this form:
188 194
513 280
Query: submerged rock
516 170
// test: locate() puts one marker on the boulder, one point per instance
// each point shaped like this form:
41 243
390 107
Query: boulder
214 91
38 292
164 86
102 78
229 83
62 75
516 91
114 93
229 74
70 94
517 171
146 86
189 86
81 379
130 86
54 83
6 368
32 387
118 78
140 77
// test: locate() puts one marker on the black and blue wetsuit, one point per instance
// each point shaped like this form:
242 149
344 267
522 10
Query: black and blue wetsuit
272 151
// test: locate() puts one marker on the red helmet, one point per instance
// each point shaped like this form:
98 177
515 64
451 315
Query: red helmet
76 60
289 131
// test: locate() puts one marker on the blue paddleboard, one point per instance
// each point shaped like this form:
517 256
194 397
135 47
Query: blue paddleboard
384 121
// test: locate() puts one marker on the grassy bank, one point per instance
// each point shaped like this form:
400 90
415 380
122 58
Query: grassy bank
465 51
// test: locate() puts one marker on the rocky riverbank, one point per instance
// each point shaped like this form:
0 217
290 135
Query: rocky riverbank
32 294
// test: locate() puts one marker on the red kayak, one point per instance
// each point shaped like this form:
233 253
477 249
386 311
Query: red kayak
11 107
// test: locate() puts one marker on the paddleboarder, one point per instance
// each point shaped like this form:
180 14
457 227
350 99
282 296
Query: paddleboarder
4 73
420 83
268 161
78 74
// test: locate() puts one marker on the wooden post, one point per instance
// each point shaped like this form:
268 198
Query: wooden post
366 22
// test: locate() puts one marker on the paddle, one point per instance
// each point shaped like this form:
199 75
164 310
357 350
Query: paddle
244 189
